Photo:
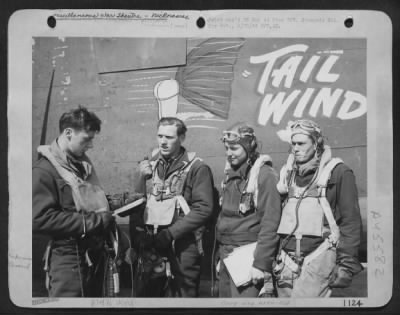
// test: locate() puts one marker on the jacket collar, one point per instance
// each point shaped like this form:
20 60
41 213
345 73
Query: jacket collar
172 165
241 172
81 167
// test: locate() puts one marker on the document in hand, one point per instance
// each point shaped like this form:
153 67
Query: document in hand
239 263
126 210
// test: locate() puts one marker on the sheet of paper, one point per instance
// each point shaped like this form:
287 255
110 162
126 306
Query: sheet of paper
264 67
239 264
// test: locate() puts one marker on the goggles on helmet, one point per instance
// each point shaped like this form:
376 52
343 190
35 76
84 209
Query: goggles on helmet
305 126
235 137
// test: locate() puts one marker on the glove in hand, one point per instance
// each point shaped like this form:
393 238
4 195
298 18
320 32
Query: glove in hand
346 267
341 277
143 240
107 219
115 201
257 275
145 169
131 197
163 241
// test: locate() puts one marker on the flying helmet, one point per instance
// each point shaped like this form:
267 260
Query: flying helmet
243 134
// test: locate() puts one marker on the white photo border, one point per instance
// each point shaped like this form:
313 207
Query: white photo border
96 23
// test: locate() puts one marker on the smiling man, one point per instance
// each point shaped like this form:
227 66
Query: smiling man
250 212
179 203
70 207
320 228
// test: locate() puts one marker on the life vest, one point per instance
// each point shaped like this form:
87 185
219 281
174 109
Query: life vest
87 196
90 197
304 211
250 192
165 198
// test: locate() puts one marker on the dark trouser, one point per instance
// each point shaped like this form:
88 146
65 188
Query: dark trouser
70 276
186 267
226 286
185 263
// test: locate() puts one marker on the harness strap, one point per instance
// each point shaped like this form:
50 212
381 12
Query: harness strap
327 165
191 156
75 183
181 201
288 262
252 184
70 178
188 166
322 184
283 185
179 197
183 204
327 171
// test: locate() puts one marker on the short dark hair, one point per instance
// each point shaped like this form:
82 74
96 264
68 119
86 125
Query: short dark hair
80 119
180 125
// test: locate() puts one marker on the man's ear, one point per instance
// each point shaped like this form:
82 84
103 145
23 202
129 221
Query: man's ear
182 138
68 133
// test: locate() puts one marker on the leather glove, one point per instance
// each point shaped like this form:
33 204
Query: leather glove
257 275
346 267
268 290
107 219
349 262
163 241
115 201
131 197
341 277
128 198
143 240
145 168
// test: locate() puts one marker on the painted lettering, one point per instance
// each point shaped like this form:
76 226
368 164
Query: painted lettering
269 59
326 100
301 105
275 106
352 98
287 70
290 64
305 74
324 74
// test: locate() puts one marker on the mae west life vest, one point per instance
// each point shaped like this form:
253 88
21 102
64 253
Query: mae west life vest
88 197
165 197
304 211
250 193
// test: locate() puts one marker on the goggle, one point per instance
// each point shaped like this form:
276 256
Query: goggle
306 125
233 136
